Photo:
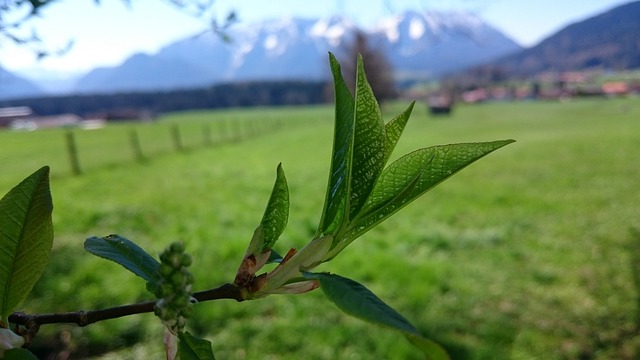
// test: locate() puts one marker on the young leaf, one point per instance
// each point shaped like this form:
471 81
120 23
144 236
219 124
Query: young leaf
394 129
356 300
126 253
26 237
254 258
257 242
267 233
414 174
340 173
290 267
369 152
276 214
193 348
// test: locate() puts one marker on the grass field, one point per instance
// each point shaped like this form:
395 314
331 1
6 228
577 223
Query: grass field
533 252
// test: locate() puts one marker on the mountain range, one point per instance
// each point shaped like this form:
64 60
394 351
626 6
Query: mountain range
14 86
419 46
609 41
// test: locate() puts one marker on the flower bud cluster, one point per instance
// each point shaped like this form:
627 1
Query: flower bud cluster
174 305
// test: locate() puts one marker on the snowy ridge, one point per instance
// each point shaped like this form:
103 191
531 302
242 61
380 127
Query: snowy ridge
418 45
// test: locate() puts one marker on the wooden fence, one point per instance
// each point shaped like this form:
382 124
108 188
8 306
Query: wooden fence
74 151
145 141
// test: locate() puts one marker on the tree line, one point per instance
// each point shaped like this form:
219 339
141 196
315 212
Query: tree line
244 94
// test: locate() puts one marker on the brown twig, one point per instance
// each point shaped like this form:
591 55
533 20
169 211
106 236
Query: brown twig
32 322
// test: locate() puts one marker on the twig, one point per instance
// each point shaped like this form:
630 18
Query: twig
32 322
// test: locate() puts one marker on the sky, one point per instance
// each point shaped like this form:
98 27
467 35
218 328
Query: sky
107 34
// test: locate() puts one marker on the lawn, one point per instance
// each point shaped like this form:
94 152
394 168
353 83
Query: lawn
533 252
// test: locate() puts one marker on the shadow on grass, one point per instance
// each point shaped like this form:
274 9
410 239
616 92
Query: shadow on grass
634 254
616 335
494 335
74 281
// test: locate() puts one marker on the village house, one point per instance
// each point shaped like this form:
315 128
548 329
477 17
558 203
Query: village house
10 114
23 118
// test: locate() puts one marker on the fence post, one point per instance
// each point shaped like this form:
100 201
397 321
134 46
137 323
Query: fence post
134 140
236 130
175 135
73 153
206 133
225 130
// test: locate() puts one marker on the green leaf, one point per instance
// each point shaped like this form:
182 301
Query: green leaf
356 300
26 237
369 152
276 215
337 194
414 174
126 253
257 242
394 129
19 354
193 348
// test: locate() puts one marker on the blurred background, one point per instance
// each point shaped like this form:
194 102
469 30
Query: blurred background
165 120
499 48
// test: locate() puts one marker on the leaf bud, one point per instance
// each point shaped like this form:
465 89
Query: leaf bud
177 247
174 288
186 260
177 279
165 270
175 261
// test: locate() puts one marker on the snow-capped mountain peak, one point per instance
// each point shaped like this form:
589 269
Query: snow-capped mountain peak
418 45
416 29
433 43
334 29
414 26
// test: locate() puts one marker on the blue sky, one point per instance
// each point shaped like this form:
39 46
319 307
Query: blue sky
106 35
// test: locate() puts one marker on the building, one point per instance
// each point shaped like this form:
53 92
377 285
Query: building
11 114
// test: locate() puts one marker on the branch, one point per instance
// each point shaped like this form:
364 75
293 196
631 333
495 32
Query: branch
32 322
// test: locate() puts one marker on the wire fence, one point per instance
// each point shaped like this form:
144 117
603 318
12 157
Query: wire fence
74 151
143 143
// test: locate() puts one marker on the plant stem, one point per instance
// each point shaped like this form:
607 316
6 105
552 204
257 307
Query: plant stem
83 318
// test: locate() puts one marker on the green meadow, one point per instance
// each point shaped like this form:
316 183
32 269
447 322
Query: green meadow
532 252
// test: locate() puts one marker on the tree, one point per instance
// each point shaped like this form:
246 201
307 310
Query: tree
361 193
379 70
15 13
